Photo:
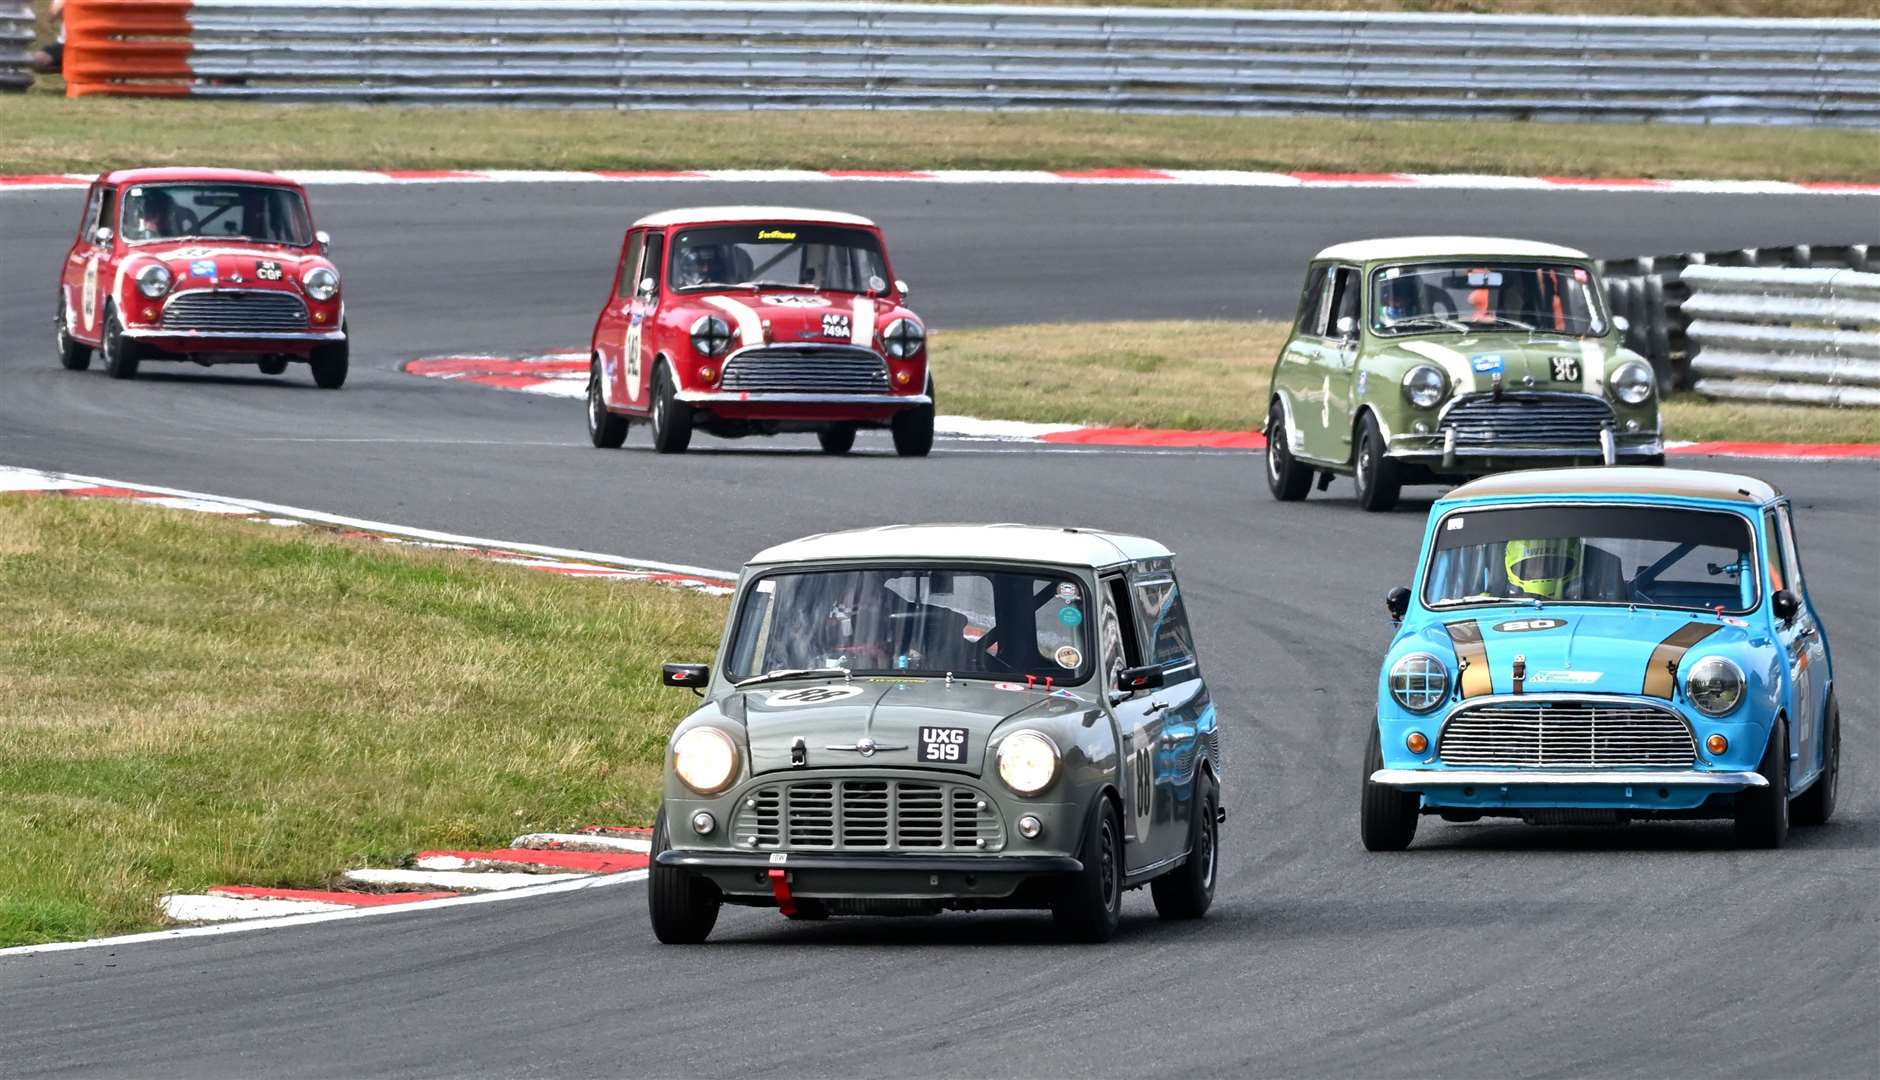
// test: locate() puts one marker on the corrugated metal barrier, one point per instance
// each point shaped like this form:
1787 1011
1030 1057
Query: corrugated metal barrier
1810 336
16 44
700 54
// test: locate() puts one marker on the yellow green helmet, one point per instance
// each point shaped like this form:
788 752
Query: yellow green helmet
1543 568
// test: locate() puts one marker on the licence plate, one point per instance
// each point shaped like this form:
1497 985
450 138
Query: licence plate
946 745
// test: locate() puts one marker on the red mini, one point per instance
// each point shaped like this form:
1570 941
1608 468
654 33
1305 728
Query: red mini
214 266
758 320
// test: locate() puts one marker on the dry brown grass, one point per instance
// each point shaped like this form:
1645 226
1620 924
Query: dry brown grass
188 701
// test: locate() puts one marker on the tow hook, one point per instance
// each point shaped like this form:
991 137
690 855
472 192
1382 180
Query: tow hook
780 888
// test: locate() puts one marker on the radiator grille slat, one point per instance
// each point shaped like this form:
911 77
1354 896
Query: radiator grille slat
830 368
1483 420
1554 733
241 311
854 814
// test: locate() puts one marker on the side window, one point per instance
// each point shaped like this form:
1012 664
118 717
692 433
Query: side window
630 266
89 220
1159 611
1777 555
1345 289
655 251
1791 556
107 210
1118 630
1311 318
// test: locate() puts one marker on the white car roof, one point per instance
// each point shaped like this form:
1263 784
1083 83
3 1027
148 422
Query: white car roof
694 214
1419 247
1624 480
1089 548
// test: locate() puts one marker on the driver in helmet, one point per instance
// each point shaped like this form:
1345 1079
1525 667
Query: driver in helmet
1545 569
1400 299
698 266
150 217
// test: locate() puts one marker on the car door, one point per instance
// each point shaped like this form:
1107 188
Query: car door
1138 720
1803 643
1338 361
636 368
610 330
77 256
95 264
1176 709
1295 374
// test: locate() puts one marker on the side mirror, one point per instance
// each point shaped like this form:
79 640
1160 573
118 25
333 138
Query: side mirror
1621 324
690 676
1347 327
324 239
1397 602
102 236
900 286
1786 605
647 286
1146 677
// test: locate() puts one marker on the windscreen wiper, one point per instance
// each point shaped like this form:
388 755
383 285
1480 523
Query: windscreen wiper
1429 320
790 673
780 285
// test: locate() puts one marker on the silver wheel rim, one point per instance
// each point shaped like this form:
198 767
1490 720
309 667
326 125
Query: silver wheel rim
1273 451
1207 835
59 334
659 412
1107 871
594 400
1364 463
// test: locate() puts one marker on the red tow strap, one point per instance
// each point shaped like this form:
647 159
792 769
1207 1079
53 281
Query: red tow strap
780 888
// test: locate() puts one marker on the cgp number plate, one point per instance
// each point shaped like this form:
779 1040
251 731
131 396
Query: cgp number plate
942 744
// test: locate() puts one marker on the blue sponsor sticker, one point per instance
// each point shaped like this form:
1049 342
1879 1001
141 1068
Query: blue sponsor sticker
1070 616
1487 363
202 268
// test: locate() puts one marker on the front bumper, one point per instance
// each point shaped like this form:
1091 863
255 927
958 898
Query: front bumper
1420 779
870 877
1437 452
710 398
219 337
1631 791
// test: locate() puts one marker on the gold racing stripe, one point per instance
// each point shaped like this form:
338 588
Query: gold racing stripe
1475 677
1661 671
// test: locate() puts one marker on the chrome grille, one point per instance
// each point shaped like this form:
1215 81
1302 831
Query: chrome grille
1570 733
1555 419
236 311
838 369
867 815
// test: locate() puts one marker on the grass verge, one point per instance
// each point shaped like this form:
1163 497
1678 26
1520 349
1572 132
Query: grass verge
188 701
43 135
1214 375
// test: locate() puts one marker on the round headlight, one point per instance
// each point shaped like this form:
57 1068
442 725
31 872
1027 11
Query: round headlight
154 280
1423 386
321 283
903 338
1028 762
705 760
1419 682
1715 685
1632 383
711 335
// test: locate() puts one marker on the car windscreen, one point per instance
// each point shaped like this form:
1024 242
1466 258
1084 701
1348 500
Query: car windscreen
830 257
260 212
915 621
1643 555
1551 298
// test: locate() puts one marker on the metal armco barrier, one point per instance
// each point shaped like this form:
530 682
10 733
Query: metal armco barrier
702 54
16 44
1809 336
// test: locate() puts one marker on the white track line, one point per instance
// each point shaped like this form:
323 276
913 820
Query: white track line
190 907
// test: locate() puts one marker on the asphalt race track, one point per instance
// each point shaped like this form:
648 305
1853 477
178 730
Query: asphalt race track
1486 950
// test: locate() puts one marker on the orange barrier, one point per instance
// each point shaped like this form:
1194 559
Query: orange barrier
127 47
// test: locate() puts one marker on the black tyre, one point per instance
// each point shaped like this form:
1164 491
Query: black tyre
1816 805
672 418
74 355
1762 814
1288 480
913 428
837 438
683 906
329 364
121 354
1188 891
1379 479
1387 817
605 430
272 365
1089 905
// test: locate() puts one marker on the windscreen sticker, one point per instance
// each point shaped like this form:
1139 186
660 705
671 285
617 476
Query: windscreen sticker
1068 593
1068 657
809 695
1070 616
775 234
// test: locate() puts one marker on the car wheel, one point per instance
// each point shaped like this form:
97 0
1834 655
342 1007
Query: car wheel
837 438
1816 805
1188 891
329 363
74 355
1288 480
121 354
913 428
672 418
605 430
1090 905
1387 817
683 906
1762 814
1379 479
272 365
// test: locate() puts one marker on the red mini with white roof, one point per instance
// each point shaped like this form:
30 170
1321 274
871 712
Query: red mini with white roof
213 266
756 320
